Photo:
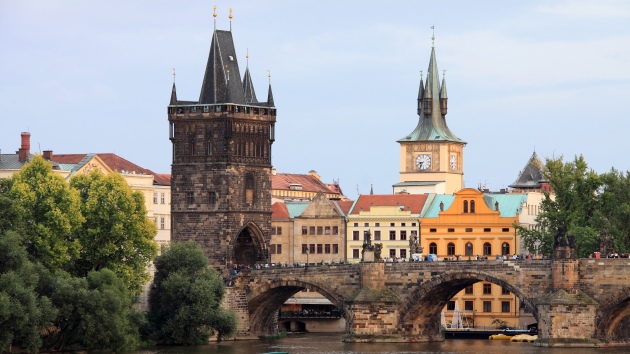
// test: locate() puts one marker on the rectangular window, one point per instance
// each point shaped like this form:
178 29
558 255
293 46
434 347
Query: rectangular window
320 230
377 224
403 253
450 306
392 224
450 229
403 235
272 249
320 249
355 235
469 289
162 198
304 230
505 229
392 235
377 235
504 291
162 223
311 248
487 306
486 229
304 248
505 306
468 306
469 229
413 224
154 197
327 248
311 230
279 249
190 198
355 253
327 230
367 224
432 230
392 253
356 224
335 230
273 230
403 224
487 289
335 248
279 230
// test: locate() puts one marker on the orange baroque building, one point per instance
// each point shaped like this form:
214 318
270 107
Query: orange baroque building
472 226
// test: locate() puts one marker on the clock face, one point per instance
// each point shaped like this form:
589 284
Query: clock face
423 161
453 162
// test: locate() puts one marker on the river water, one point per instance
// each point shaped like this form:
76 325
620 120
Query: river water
332 344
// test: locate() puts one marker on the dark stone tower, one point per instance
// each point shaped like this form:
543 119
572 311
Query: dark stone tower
221 171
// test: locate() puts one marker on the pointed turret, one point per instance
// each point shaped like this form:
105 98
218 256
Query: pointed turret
432 123
222 79
270 97
532 176
248 87
420 93
173 95
443 96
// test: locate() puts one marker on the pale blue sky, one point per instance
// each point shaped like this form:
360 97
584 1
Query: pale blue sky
554 76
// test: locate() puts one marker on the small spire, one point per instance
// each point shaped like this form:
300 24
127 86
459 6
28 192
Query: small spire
433 37
270 102
214 14
371 188
230 19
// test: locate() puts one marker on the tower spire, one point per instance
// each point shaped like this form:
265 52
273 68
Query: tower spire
420 93
443 95
173 90
270 102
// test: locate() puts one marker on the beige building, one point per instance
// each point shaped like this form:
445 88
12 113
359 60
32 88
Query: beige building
308 231
294 186
154 187
391 220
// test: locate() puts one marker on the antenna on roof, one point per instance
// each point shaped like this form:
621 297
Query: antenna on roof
230 19
214 14
433 37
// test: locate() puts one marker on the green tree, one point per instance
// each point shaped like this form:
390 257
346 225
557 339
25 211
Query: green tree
23 313
48 212
92 313
573 206
116 233
186 298
613 214
8 214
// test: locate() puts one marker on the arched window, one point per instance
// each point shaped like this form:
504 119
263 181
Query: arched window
450 249
487 249
469 248
465 206
505 248
472 206
433 248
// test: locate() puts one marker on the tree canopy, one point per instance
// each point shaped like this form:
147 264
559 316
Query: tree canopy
186 297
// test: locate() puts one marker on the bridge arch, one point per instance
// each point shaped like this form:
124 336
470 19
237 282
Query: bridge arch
420 314
265 300
613 320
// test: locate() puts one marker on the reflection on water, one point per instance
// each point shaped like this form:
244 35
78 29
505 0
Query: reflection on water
332 344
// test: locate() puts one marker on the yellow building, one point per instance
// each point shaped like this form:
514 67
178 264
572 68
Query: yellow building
294 186
474 226
392 220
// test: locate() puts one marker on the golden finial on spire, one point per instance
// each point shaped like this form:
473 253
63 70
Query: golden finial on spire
247 58
214 14
173 74
433 37
269 75
230 19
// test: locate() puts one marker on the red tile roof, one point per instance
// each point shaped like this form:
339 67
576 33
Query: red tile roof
309 183
345 205
413 202
279 211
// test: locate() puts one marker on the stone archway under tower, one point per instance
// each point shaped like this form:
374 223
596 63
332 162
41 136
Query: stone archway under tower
250 246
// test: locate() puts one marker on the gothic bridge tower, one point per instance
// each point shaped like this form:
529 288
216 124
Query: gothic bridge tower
431 156
221 169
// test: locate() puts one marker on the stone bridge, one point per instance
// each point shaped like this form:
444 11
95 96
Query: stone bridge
577 302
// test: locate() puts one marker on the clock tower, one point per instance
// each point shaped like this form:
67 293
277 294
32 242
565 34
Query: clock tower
221 167
431 156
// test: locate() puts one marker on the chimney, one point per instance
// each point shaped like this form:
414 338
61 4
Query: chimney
48 155
25 148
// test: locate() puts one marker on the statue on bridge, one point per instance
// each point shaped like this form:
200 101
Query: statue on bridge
414 246
370 252
563 244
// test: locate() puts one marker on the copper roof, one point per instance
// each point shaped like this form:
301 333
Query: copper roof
412 202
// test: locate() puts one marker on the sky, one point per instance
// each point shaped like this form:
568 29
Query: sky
86 76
